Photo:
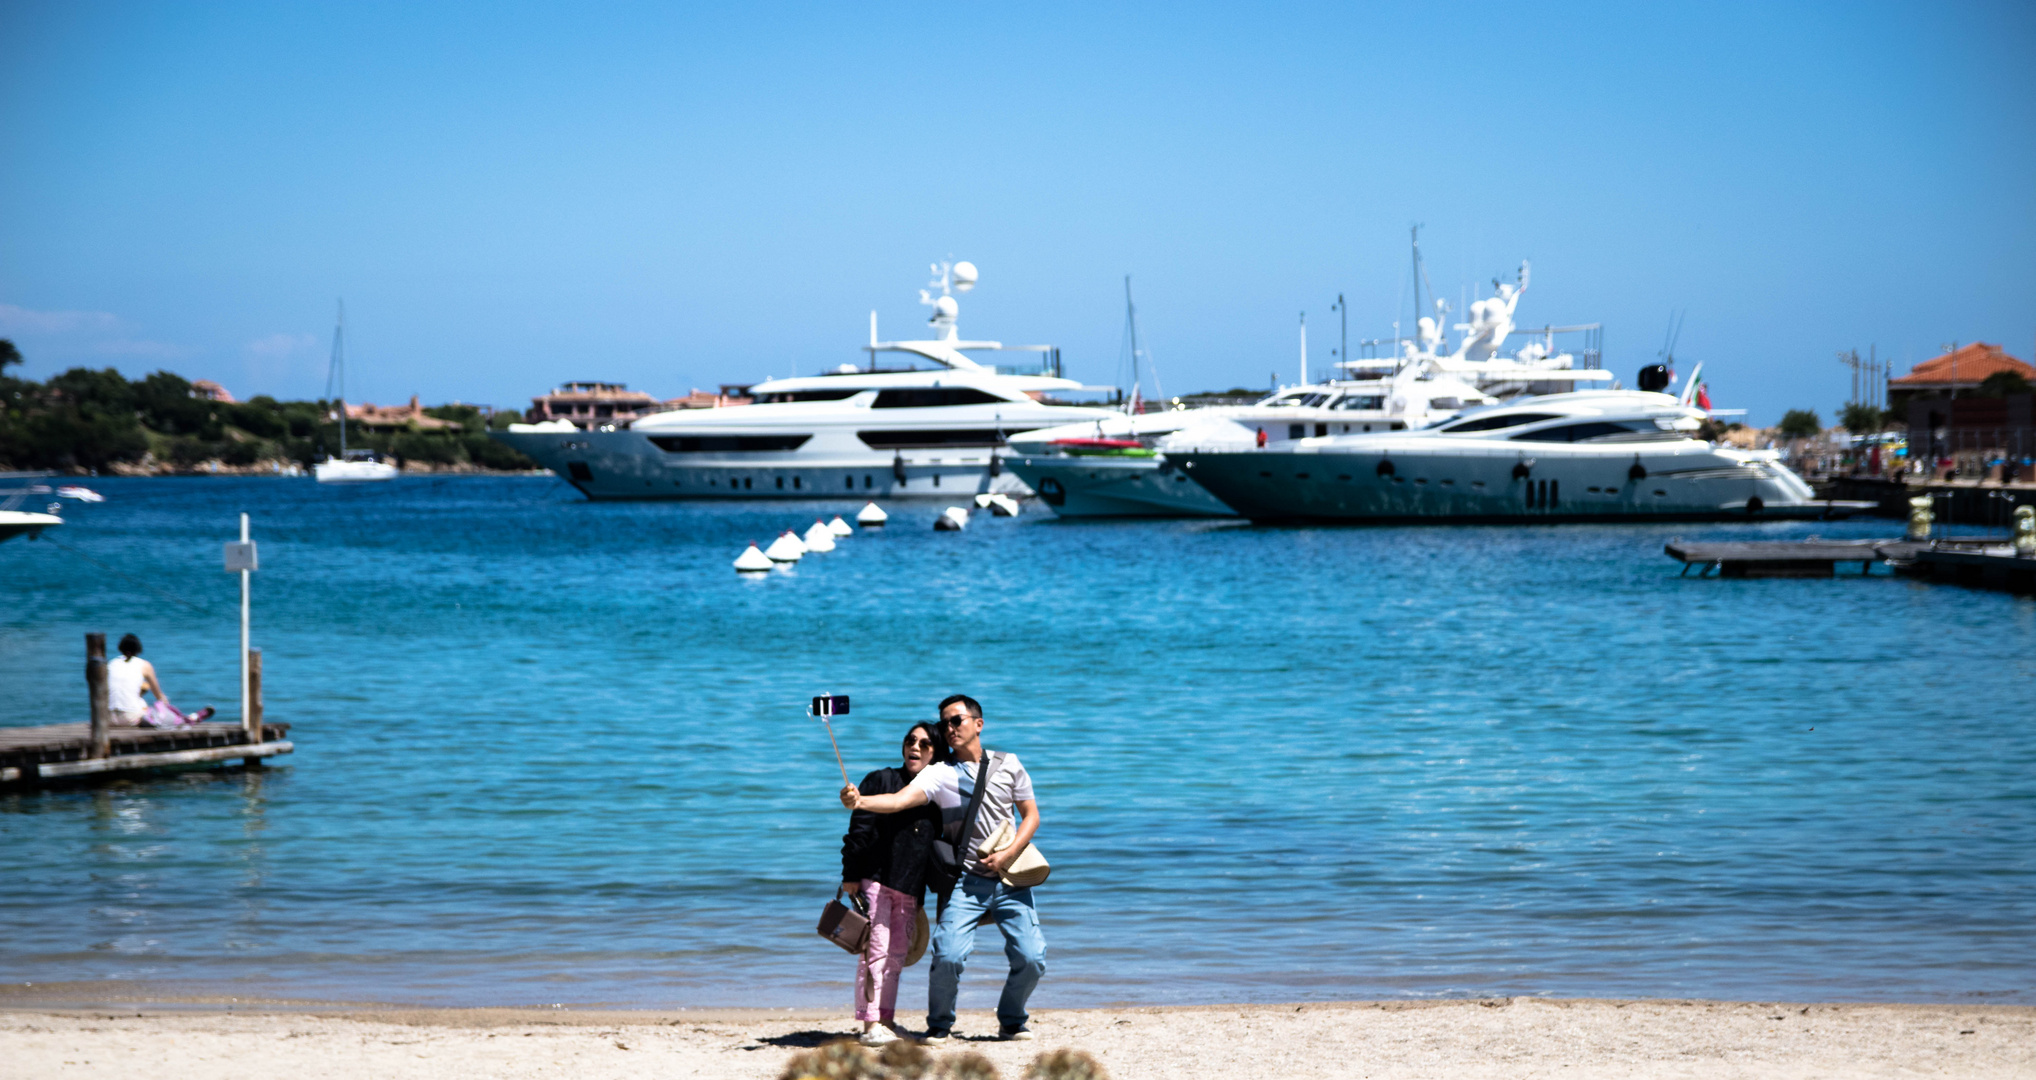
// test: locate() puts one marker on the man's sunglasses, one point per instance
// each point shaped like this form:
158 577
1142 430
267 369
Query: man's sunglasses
956 721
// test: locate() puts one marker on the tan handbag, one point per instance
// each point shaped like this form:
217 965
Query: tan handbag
1028 869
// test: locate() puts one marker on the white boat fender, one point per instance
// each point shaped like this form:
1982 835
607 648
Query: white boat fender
752 560
1003 506
952 519
786 548
819 537
872 517
839 527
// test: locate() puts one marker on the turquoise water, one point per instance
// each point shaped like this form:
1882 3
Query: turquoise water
554 751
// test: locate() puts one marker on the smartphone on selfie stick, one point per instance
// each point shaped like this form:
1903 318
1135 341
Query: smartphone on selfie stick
825 706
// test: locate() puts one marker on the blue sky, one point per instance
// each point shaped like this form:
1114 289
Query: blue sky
511 196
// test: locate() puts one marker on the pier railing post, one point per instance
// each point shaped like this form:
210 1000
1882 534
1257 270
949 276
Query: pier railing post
95 685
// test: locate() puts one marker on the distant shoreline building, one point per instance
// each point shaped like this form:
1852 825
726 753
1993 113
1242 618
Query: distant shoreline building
588 405
1956 373
1954 413
398 416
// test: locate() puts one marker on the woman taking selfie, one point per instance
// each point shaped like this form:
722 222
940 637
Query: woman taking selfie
884 858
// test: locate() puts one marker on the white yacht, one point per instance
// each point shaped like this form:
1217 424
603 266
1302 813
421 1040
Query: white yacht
858 431
1126 467
350 467
1591 455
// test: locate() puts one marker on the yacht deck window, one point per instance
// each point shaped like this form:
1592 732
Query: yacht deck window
1504 420
934 397
905 439
1362 401
786 396
1597 429
697 444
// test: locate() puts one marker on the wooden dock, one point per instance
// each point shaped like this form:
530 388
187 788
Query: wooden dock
97 749
1993 566
1987 561
1812 558
61 751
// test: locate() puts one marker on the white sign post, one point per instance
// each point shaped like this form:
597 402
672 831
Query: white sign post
241 557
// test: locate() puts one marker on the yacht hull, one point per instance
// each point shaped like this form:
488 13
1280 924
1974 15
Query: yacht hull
625 464
1078 487
352 472
15 523
1687 481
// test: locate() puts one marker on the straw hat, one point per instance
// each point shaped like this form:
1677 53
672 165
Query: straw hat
1028 869
920 932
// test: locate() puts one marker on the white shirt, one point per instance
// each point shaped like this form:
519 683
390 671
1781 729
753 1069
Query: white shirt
951 786
123 684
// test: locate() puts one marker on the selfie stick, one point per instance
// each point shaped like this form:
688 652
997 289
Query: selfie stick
827 710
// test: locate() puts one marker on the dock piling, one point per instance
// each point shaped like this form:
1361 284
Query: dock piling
253 724
95 686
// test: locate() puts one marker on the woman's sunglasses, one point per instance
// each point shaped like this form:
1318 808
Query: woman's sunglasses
918 744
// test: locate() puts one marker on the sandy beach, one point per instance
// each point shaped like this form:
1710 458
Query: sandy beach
1520 1037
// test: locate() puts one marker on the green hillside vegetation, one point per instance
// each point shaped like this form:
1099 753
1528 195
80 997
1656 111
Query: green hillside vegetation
85 419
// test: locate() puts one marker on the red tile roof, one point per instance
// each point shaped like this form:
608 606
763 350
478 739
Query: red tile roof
1969 365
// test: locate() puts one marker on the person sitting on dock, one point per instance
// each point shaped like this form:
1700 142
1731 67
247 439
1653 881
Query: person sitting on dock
126 679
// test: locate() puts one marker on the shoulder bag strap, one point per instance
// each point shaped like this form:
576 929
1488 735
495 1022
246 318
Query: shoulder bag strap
962 849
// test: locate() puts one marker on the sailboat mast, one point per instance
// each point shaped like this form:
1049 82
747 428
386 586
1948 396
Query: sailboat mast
1131 319
339 373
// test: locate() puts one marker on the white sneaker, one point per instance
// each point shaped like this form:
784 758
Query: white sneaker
1015 1034
937 1038
878 1036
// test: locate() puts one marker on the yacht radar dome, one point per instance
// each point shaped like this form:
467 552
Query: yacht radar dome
964 276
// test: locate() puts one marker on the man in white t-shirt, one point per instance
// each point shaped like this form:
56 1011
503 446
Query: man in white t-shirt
980 894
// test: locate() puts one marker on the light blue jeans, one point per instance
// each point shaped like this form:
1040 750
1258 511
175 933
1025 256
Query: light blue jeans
973 901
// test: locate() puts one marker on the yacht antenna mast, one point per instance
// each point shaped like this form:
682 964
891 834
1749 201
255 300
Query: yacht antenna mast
1304 348
1416 231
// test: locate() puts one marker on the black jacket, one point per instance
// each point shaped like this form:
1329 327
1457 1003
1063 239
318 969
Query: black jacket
896 849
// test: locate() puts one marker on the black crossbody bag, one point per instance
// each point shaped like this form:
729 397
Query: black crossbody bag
948 846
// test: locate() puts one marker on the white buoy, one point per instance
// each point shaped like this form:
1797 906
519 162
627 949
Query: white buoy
952 519
839 527
752 560
1003 506
984 500
819 537
786 548
872 517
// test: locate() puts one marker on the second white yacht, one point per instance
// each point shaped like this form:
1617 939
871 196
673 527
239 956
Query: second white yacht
1594 455
856 432
1126 466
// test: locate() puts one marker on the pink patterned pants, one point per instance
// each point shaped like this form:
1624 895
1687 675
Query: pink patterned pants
876 973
